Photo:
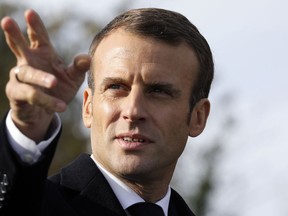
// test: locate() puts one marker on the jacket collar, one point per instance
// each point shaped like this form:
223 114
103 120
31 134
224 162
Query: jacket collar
83 176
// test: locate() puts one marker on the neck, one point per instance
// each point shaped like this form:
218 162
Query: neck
149 193
151 189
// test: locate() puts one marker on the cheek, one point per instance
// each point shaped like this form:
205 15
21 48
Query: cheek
102 130
104 113
176 141
177 128
175 118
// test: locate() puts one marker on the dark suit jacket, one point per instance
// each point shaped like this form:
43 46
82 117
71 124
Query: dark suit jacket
79 189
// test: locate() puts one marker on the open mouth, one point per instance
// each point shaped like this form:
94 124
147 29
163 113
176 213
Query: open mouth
129 141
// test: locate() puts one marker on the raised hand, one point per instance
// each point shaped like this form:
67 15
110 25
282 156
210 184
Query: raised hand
44 84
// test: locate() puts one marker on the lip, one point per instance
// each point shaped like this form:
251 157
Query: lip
133 141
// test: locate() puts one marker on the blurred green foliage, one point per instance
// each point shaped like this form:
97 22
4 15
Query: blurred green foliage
7 60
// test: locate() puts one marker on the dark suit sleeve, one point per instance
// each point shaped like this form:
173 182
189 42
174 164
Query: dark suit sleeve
22 185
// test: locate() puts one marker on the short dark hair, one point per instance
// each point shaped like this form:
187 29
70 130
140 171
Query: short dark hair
170 27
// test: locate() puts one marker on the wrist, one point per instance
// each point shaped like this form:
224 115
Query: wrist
34 127
28 150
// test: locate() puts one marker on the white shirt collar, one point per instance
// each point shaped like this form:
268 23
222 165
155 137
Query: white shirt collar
126 195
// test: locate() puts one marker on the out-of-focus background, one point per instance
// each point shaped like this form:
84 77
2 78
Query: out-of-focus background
238 166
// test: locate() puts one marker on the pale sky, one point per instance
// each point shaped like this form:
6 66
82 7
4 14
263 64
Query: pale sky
249 43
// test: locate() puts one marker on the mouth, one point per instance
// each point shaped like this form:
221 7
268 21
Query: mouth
133 141
130 139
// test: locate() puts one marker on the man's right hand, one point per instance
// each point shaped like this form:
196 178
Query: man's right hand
45 84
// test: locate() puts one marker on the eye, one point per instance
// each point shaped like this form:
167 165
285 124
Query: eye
117 87
162 90
114 86
159 90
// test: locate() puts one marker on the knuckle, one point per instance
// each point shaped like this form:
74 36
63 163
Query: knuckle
38 98
12 73
8 89
26 75
11 90
32 96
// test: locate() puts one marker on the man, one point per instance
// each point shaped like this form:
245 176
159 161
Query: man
148 87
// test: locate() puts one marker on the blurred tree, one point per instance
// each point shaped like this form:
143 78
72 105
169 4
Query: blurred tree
7 59
199 200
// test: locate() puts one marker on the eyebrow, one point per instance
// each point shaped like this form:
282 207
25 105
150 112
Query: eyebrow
109 80
163 85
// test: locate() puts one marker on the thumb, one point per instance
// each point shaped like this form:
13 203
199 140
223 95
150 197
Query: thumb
82 62
80 65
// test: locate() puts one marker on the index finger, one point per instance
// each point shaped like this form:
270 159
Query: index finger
14 37
36 30
29 75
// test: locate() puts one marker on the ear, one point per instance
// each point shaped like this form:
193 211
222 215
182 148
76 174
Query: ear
199 117
87 108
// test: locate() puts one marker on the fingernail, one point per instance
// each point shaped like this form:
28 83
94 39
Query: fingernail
49 81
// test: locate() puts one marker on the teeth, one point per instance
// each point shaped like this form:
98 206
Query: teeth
129 139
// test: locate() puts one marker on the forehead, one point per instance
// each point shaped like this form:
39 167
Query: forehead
122 49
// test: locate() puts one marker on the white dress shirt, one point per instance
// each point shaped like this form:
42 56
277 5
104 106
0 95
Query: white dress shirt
26 148
126 195
30 152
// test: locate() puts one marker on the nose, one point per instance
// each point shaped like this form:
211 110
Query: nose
134 108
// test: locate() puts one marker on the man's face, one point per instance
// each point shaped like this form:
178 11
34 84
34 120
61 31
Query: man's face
139 112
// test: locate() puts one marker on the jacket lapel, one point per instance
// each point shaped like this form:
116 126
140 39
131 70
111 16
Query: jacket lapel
177 206
94 192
